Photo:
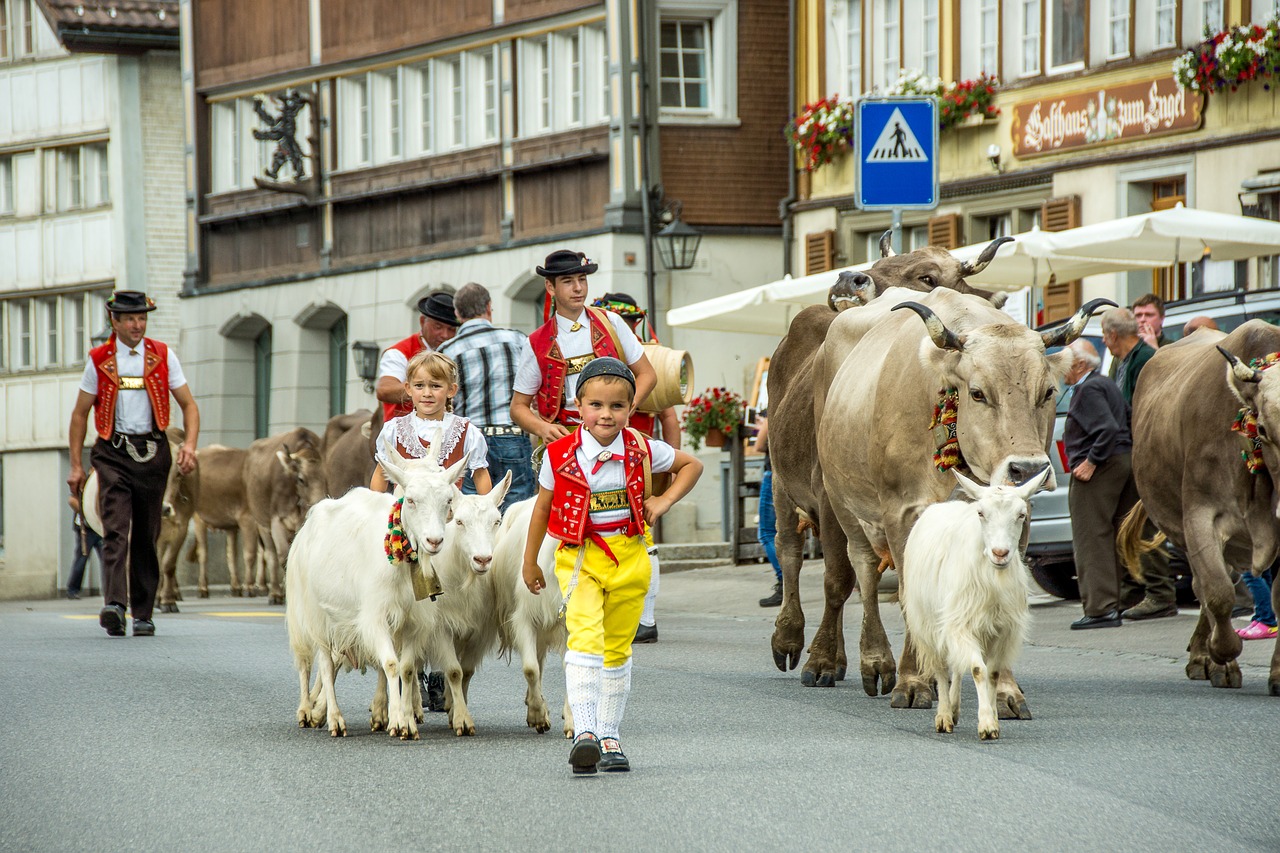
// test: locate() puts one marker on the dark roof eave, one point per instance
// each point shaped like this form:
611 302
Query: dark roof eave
87 40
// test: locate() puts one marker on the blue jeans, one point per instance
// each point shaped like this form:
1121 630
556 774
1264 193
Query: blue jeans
767 530
1260 589
509 453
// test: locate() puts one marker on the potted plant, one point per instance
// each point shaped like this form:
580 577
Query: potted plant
712 417
1231 58
821 130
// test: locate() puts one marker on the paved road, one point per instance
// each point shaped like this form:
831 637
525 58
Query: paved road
187 742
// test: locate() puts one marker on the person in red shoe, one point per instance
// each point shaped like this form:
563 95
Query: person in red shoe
127 382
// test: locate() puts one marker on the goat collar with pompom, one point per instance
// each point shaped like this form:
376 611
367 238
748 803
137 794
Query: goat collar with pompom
1246 422
948 454
397 545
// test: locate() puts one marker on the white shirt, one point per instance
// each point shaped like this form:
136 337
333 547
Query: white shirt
612 474
474 445
133 408
394 364
572 344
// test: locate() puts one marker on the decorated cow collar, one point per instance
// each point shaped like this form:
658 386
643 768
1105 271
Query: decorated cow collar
948 454
1246 422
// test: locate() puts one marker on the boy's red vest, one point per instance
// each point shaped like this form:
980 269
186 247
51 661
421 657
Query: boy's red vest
155 380
570 506
550 399
409 347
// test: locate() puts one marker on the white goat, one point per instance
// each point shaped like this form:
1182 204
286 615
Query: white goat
345 600
528 624
964 594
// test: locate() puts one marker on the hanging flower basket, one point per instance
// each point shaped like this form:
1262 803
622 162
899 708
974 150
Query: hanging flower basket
716 410
1231 58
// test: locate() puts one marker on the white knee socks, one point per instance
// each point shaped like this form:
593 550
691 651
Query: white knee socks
582 676
651 597
613 699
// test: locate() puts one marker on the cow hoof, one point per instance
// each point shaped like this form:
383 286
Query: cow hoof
826 679
1198 668
911 694
1014 709
841 671
1225 675
168 608
1273 687
785 661
879 678
178 596
204 593
276 599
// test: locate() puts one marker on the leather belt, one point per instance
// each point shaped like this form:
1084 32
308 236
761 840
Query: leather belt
501 430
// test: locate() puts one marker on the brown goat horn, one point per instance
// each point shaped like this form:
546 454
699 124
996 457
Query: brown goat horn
1242 371
943 338
886 245
1060 336
988 254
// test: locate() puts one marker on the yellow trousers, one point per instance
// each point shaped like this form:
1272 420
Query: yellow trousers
604 608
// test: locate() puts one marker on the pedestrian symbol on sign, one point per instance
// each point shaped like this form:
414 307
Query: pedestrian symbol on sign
896 143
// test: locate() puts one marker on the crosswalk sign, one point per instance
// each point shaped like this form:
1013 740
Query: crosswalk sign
896 142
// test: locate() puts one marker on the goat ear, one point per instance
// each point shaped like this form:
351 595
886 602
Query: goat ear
393 471
1029 488
498 492
456 470
971 488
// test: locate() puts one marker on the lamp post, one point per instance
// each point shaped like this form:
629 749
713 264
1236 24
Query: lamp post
102 336
365 356
678 244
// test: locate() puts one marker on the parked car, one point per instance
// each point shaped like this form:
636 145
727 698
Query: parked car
1049 553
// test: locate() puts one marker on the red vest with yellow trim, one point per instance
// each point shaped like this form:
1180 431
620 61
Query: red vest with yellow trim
643 422
409 347
550 399
571 501
155 380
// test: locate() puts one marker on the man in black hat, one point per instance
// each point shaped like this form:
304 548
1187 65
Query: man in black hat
547 376
437 324
127 381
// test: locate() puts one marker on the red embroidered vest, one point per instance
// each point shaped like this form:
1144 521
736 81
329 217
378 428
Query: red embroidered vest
570 505
457 452
409 347
155 380
550 399
643 422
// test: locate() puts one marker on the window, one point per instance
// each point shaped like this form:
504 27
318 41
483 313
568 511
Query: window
6 185
457 102
338 367
1211 16
51 327
574 43
989 37
1 504
1265 10
4 30
262 384
21 332
73 321
363 121
1117 29
1030 40
1166 23
890 39
930 33
79 175
26 27
601 50
851 80
426 106
395 113
489 83
685 68
1065 34
4 337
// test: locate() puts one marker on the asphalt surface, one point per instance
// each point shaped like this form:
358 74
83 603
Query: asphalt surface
187 742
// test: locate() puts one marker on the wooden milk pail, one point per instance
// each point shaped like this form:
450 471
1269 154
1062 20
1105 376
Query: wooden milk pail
675 378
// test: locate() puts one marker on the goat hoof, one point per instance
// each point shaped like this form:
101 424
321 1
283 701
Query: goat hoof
1227 675
376 725
989 734
276 599
944 726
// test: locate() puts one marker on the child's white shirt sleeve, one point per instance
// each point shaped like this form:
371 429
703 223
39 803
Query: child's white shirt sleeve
546 478
661 456
476 448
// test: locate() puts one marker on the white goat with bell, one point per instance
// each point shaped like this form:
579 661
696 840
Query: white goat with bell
964 593
348 601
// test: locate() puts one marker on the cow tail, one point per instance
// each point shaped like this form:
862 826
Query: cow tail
1130 543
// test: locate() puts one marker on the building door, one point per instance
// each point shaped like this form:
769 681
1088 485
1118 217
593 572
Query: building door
1169 283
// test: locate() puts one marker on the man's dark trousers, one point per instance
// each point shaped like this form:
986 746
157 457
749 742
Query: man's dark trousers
1097 508
129 499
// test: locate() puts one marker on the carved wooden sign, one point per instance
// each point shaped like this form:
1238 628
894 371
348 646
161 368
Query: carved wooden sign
1102 116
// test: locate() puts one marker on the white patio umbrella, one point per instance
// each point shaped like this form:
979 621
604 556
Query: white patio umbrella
1165 237
1033 257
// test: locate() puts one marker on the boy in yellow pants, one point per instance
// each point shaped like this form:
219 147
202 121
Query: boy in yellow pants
592 497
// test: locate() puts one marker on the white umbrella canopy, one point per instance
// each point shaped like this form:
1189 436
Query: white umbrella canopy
1032 258
1165 237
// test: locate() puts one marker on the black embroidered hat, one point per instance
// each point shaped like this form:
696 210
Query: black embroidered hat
606 366
438 305
565 262
130 302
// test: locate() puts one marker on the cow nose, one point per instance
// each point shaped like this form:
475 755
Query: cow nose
1020 472
166 510
1000 554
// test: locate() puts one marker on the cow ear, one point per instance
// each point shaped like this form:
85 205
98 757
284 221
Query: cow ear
1060 363
286 461
942 361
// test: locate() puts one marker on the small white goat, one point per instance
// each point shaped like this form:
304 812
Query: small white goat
964 594
528 624
346 601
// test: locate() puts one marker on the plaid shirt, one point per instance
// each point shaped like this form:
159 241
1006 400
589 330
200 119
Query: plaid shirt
487 359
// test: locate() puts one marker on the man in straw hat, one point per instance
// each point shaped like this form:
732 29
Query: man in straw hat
127 381
543 404
437 323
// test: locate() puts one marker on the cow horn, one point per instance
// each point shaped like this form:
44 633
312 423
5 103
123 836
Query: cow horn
988 254
1242 371
886 244
1060 336
943 338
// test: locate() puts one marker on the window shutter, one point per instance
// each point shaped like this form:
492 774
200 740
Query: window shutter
1061 298
819 252
944 231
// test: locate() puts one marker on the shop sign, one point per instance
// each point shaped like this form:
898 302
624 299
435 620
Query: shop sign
1123 113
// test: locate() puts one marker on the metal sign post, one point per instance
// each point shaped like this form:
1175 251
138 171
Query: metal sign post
896 141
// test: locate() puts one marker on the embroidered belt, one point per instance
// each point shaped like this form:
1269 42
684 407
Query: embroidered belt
573 366
132 383
501 430
610 500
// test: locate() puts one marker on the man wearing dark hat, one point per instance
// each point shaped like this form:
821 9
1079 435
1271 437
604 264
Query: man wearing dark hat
437 324
547 376
127 381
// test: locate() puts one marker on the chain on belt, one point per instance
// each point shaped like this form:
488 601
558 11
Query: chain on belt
151 446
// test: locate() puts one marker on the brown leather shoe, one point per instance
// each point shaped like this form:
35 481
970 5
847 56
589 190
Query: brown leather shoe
1148 609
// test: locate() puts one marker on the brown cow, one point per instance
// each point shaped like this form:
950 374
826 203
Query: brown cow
348 457
283 479
181 493
222 506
